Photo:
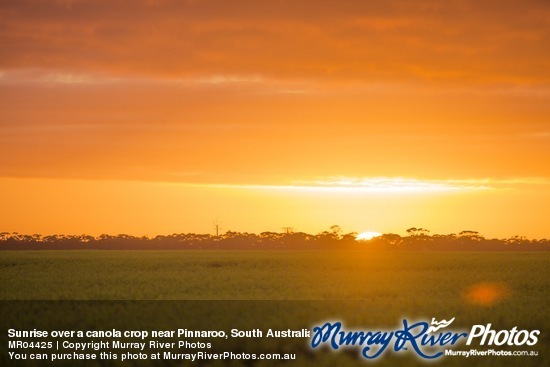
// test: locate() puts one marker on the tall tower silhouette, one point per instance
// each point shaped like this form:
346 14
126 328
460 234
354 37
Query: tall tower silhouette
217 228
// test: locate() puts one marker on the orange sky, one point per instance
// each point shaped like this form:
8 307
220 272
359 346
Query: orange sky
161 116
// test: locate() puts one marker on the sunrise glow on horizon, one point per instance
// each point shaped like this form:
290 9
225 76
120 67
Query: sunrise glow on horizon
366 236
160 116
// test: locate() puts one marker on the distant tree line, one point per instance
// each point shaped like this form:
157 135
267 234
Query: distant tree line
417 239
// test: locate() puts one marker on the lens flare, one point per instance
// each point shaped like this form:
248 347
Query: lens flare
486 294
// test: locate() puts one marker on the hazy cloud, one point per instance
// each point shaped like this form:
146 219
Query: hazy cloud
466 41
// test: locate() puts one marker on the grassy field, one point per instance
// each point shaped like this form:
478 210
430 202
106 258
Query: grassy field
412 277
375 289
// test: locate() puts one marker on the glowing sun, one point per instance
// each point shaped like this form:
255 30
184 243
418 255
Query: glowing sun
367 236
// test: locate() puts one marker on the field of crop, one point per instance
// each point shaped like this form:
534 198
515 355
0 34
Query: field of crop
363 289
